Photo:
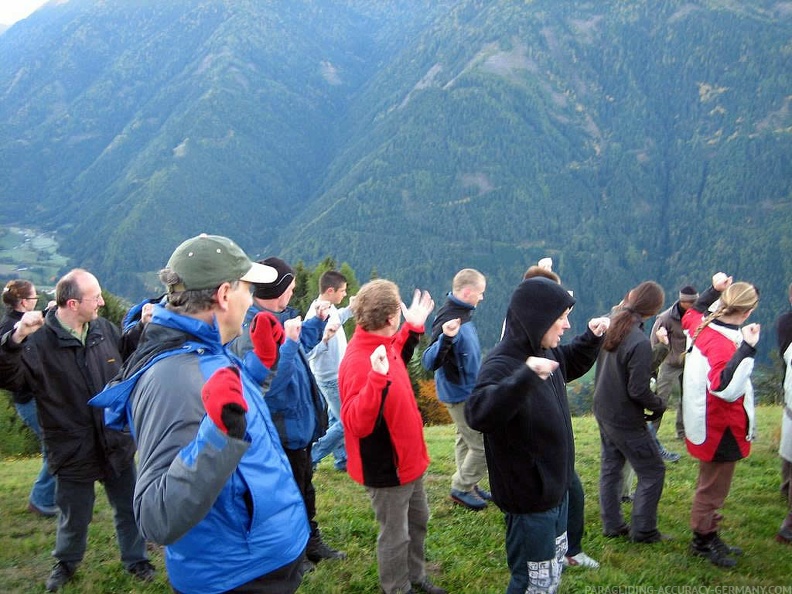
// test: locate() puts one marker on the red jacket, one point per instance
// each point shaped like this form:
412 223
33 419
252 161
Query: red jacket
383 429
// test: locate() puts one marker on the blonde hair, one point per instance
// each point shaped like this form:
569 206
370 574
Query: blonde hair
375 303
737 298
467 277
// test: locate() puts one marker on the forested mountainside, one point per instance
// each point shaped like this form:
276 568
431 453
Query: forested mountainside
629 141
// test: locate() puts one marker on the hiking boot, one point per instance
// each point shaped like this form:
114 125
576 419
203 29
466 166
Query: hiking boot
468 499
580 560
317 550
427 587
143 571
485 495
724 548
61 573
702 546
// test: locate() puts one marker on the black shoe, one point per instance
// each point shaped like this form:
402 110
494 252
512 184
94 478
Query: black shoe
703 546
61 573
623 530
143 571
652 538
428 587
306 566
317 550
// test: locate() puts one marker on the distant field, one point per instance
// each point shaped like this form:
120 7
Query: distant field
30 254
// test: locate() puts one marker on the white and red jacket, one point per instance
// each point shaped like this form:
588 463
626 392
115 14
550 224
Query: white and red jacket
718 397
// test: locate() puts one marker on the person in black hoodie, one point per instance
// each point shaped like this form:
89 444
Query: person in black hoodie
520 405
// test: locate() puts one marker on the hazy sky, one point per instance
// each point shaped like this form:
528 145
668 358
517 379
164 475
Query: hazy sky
13 10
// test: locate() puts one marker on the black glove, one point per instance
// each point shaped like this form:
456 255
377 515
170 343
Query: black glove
654 415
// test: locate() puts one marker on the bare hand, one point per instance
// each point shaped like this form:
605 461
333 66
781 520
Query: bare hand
751 333
322 309
599 326
420 308
146 313
662 335
379 360
451 327
292 328
721 282
546 263
330 331
542 367
27 325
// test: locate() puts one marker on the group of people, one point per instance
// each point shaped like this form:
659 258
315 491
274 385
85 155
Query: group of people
230 399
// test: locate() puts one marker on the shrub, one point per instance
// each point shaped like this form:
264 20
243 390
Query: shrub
432 410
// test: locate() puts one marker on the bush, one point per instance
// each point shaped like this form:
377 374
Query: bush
432 410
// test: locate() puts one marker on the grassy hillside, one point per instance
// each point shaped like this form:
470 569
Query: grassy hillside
465 549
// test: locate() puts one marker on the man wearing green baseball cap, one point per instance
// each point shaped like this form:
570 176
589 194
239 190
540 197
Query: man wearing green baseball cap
214 486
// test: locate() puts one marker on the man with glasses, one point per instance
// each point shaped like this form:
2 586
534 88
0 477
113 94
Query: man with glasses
66 358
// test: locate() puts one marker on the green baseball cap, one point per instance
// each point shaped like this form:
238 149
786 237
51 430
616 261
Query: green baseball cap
208 261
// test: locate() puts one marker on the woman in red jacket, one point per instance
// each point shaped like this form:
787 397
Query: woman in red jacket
718 404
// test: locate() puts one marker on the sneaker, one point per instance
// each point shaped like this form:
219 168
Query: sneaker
485 495
468 499
317 550
669 456
580 560
44 512
784 536
702 546
61 573
143 571
428 587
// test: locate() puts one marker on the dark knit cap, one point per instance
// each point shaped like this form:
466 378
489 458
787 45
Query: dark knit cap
688 293
276 288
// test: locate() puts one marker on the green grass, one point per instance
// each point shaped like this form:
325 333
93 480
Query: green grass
464 549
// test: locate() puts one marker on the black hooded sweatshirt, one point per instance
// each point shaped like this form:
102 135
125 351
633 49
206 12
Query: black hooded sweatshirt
525 420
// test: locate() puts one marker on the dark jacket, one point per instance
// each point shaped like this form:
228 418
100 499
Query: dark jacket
525 420
296 404
621 391
671 320
25 394
64 375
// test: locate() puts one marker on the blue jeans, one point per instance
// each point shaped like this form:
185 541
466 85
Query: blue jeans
42 495
535 545
333 440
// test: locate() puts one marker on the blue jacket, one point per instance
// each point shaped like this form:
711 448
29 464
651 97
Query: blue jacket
228 510
455 361
298 408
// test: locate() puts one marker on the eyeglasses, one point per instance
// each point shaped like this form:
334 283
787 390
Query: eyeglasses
94 299
27 298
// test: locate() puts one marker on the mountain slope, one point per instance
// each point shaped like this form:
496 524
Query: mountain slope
638 140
